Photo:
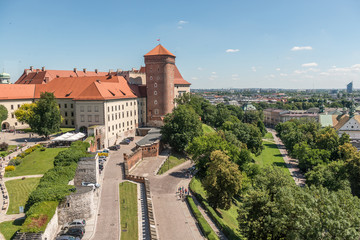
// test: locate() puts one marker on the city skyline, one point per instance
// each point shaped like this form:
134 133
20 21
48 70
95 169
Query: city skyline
256 44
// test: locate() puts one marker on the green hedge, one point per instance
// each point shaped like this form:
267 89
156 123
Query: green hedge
38 216
53 188
205 227
228 232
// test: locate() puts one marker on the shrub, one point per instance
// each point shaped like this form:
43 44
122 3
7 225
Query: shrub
4 146
42 149
9 168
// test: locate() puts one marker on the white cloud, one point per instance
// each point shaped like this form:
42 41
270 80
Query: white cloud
272 76
253 69
235 75
230 50
200 68
283 74
277 69
213 73
324 73
296 48
182 22
194 78
313 64
299 72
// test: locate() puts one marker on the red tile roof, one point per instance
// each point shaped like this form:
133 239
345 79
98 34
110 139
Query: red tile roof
159 50
16 91
178 79
37 76
88 88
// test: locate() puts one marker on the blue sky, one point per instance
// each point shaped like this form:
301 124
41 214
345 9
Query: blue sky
218 44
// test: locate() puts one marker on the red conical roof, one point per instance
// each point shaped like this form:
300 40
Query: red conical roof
159 50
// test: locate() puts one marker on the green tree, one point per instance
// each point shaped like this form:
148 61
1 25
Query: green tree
180 127
46 118
3 113
222 181
25 112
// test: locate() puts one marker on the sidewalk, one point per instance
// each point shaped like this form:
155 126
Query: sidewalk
291 163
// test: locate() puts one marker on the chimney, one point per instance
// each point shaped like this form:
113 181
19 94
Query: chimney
31 68
43 69
110 70
84 70
118 71
75 70
96 71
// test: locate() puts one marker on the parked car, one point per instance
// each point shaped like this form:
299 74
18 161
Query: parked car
131 138
67 237
89 184
76 222
101 167
75 232
115 147
125 141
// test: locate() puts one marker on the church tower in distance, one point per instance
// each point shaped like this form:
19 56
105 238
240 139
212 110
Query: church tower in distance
160 67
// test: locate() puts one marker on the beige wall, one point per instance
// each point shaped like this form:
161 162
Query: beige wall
67 111
181 89
12 106
121 118
89 113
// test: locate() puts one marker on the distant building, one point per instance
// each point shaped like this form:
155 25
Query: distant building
349 88
4 78
248 107
274 116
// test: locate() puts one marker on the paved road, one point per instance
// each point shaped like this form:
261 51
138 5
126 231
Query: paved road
108 219
173 218
291 163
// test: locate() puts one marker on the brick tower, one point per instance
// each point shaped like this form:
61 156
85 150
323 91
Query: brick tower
160 66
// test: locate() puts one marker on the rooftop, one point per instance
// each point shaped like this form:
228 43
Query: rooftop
153 135
159 50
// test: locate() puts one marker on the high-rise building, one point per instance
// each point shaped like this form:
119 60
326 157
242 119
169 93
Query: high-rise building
349 88
4 78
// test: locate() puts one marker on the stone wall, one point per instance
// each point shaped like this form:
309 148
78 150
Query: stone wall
87 171
51 228
133 158
79 205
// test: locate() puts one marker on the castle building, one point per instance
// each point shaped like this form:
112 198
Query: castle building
109 105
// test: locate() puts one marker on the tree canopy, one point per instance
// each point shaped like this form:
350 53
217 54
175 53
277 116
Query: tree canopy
180 127
3 113
42 116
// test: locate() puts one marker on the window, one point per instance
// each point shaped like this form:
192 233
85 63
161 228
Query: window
18 105
59 105
155 102
112 108
109 129
127 113
123 124
66 122
72 105
96 108
151 78
130 113
12 115
119 115
155 84
127 123
112 117
123 114
156 111
15 123
130 103
96 118
72 122
112 127
65 105
82 117
72 114
12 107
134 112
155 92
115 108
82 109
108 109
89 118
89 108
109 117
123 107
158 77
66 115
126 104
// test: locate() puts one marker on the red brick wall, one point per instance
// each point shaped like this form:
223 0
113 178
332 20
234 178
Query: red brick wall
152 151
133 158
159 78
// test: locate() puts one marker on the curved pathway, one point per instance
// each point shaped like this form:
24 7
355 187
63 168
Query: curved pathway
291 163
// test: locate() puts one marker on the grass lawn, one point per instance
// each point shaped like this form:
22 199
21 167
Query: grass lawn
271 156
207 128
227 217
37 162
128 211
269 136
19 191
5 153
174 160
8 229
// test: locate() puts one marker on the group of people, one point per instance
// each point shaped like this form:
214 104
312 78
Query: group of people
183 192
